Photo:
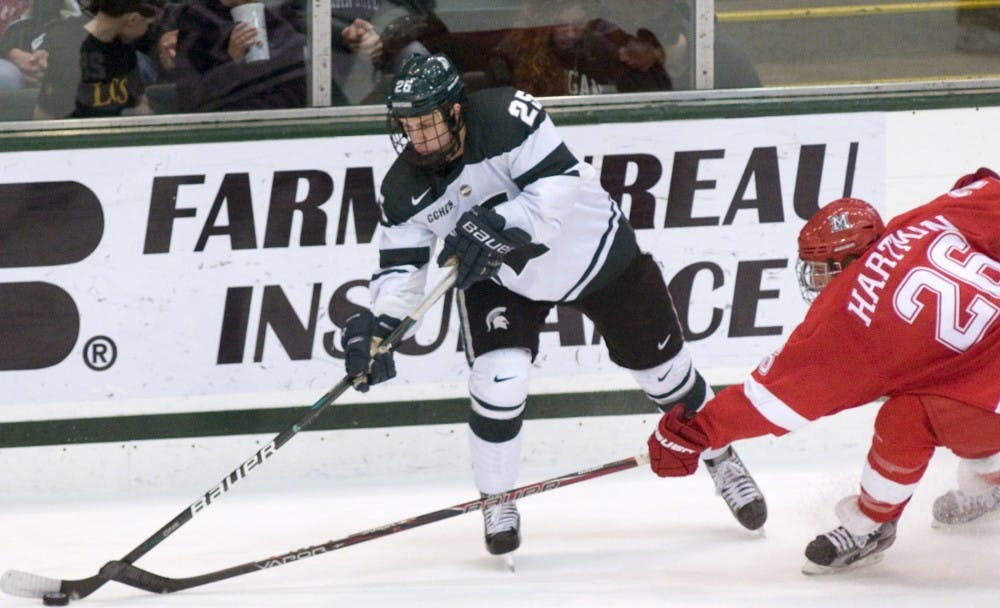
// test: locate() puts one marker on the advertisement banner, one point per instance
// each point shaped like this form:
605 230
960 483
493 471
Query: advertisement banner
216 276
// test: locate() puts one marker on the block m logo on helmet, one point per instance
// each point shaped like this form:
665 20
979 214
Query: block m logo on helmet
839 222
42 224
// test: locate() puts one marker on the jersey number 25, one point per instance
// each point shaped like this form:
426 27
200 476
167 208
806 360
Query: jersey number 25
525 107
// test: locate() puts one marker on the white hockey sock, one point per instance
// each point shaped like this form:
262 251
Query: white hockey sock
975 475
495 465
851 517
709 454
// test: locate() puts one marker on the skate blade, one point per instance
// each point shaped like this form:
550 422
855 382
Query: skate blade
813 569
984 522
508 561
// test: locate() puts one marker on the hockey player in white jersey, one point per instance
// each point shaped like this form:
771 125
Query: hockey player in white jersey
530 227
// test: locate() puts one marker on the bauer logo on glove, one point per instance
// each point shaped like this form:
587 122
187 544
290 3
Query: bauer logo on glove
676 444
480 244
486 239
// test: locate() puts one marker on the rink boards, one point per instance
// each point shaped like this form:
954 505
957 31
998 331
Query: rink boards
198 289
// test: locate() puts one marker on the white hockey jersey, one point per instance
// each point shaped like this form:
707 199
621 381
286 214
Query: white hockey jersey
515 163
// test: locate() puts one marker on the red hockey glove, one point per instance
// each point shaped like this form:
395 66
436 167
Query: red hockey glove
676 444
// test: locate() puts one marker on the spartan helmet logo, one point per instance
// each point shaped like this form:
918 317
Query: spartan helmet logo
839 222
496 319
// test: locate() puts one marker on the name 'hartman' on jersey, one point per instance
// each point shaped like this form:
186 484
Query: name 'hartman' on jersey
886 255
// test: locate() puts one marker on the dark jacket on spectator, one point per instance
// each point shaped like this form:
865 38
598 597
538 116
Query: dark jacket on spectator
26 32
209 80
87 77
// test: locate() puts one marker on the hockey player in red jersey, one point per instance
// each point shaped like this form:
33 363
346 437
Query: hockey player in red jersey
913 315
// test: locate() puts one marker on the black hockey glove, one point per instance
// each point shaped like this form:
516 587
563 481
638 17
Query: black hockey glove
362 335
480 244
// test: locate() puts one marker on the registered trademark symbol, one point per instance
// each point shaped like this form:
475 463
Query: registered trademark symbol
100 353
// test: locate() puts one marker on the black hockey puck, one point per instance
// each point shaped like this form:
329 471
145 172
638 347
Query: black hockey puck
55 598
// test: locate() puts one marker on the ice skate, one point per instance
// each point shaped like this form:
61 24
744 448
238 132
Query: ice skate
502 528
956 508
734 483
839 550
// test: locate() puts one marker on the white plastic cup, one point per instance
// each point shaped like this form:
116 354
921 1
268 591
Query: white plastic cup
253 13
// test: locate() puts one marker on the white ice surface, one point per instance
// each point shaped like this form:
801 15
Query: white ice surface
628 539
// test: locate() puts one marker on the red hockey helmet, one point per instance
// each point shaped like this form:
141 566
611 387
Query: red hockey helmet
834 236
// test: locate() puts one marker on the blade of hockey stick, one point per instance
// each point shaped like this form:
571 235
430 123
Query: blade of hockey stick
26 584
134 576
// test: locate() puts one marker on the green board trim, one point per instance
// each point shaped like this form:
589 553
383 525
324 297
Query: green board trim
275 420
194 129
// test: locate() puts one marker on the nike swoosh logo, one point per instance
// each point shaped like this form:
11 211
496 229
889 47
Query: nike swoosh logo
660 378
415 200
499 379
662 345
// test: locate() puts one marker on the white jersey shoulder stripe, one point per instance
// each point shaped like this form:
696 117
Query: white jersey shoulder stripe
769 406
535 149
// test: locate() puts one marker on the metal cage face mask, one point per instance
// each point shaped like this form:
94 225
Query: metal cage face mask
814 276
431 146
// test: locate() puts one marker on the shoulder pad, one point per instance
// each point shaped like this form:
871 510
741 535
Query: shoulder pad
404 192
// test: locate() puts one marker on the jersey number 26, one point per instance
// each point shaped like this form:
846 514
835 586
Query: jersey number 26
943 280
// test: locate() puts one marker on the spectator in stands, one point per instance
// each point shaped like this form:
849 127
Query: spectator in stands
373 39
16 66
158 60
212 73
559 48
370 40
22 27
670 22
158 57
11 11
92 62
978 29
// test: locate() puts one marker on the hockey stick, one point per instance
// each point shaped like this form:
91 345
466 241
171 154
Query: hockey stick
128 574
25 584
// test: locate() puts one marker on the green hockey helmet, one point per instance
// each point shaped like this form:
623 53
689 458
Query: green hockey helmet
424 84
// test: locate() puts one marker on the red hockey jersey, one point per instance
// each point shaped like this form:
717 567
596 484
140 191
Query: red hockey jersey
919 313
